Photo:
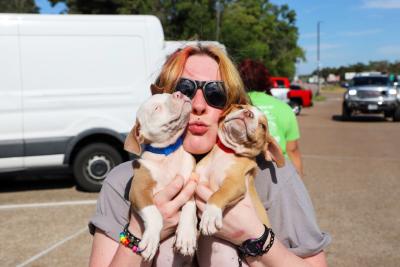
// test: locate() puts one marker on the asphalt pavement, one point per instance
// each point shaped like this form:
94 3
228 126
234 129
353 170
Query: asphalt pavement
352 171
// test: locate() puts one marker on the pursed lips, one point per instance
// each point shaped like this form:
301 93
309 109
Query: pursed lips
197 128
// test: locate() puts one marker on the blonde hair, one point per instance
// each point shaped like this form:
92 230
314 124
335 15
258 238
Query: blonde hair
173 69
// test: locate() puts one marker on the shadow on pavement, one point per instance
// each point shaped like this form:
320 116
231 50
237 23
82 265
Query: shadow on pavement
361 118
35 180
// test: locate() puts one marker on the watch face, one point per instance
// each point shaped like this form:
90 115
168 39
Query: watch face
255 247
252 247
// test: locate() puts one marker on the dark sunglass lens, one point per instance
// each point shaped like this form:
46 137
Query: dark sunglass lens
215 94
186 87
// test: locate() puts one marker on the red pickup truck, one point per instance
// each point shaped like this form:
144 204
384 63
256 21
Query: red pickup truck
298 96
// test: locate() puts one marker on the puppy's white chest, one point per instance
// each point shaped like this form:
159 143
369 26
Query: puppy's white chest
165 170
215 168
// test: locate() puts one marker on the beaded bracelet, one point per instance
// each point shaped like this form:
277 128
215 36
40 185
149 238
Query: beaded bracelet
127 239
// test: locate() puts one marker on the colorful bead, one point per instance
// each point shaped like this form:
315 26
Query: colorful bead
134 249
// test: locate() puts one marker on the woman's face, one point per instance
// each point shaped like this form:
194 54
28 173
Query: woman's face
203 123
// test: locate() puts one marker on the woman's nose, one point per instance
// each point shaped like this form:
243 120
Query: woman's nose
199 104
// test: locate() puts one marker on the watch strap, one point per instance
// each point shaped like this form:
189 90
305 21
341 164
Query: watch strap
256 246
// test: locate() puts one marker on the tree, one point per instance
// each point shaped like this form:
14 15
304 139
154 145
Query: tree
255 29
381 66
18 6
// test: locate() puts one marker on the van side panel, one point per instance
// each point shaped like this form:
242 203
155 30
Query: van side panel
11 139
79 75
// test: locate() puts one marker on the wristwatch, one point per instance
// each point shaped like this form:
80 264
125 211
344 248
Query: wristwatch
255 246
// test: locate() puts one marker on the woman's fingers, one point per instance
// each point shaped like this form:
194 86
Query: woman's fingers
201 205
172 207
203 192
170 191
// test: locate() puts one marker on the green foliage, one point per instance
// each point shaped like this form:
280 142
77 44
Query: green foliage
255 29
18 6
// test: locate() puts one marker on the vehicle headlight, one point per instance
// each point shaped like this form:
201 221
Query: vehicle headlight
352 92
392 92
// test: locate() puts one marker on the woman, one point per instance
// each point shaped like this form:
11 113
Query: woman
281 118
281 190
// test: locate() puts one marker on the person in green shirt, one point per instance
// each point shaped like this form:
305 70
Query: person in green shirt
282 121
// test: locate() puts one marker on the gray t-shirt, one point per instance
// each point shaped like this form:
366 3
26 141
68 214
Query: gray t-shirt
284 195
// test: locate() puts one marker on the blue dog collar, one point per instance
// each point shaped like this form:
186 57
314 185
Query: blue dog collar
165 150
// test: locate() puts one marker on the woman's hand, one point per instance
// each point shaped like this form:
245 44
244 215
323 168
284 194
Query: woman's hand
168 201
240 222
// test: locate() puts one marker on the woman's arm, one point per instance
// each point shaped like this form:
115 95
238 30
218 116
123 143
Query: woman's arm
107 252
241 223
293 151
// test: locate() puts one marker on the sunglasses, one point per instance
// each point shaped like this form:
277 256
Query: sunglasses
214 91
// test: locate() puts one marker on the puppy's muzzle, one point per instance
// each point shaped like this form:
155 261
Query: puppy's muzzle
248 113
177 95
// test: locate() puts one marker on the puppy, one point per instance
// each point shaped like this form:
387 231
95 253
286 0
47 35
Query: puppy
230 167
160 124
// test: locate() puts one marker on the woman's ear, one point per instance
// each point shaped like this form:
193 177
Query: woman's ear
272 151
134 140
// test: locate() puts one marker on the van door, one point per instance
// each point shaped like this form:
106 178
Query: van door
11 140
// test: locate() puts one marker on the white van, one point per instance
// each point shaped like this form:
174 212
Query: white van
69 89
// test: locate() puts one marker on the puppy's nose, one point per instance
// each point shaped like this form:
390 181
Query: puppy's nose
248 113
178 95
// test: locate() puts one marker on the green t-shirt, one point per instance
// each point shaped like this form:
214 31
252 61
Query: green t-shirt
282 121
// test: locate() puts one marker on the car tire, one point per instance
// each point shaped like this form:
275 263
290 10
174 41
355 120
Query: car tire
92 164
296 107
388 114
396 114
346 113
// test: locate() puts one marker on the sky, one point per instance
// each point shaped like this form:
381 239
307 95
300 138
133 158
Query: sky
46 8
351 31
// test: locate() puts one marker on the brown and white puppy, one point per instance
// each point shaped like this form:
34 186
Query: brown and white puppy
230 167
160 124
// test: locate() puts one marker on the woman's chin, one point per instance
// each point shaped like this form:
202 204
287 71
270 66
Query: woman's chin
196 144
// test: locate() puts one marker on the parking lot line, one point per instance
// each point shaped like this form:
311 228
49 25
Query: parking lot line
48 204
44 252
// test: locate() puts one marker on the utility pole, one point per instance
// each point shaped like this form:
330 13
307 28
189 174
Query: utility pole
318 57
218 9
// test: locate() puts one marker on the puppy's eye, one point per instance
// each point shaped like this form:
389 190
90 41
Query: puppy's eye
263 126
157 108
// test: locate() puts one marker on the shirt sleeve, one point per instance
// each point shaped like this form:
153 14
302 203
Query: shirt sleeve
293 219
292 132
112 210
290 209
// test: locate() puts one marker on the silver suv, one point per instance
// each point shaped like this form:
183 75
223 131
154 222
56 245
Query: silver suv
372 94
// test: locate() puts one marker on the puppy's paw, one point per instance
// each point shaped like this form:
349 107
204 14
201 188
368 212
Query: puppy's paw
211 220
186 239
153 222
149 245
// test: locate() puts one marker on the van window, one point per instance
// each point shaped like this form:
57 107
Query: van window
69 64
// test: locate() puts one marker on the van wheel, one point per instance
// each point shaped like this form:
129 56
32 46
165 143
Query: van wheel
396 114
92 164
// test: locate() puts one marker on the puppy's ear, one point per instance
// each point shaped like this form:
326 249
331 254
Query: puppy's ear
134 140
272 151
156 90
